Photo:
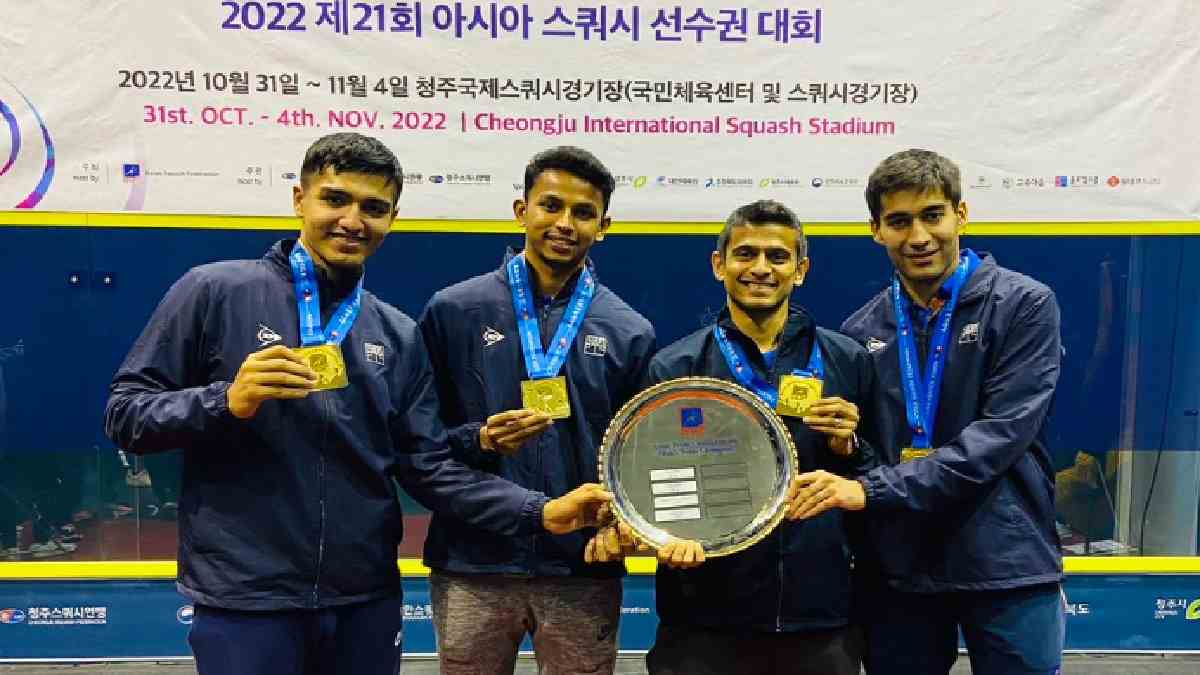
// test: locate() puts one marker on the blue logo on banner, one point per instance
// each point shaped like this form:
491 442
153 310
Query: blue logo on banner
131 170
12 616
186 614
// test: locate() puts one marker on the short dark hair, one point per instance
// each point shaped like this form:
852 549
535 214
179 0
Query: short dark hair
763 212
575 161
916 170
349 151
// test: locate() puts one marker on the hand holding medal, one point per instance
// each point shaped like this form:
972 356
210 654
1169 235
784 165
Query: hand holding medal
272 373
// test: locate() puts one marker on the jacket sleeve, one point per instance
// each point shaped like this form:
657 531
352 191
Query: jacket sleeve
1016 397
160 398
428 470
463 435
868 399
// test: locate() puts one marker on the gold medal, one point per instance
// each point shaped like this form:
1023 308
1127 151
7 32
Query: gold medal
911 454
326 361
547 396
797 394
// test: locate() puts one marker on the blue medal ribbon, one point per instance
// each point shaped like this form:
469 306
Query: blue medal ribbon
742 370
922 389
538 364
308 303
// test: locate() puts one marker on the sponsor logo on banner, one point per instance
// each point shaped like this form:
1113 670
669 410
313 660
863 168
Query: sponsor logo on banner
1062 181
1113 181
67 616
677 181
837 182
418 612
981 182
1141 180
1166 608
413 178
291 175
728 182
1007 183
1082 181
437 179
782 182
185 615
12 616
131 171
636 182
464 179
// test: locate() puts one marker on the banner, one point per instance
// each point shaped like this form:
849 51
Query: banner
149 619
1054 112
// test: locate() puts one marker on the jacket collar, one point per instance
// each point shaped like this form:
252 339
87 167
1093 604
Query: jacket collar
277 259
567 289
977 284
797 331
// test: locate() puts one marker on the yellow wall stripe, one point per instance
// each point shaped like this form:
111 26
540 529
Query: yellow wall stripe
411 567
223 222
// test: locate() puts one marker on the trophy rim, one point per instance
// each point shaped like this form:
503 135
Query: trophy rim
778 503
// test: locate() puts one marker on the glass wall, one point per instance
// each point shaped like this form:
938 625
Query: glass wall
1124 429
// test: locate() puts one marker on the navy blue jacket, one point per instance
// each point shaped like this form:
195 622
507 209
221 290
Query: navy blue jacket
478 364
978 513
295 507
798 577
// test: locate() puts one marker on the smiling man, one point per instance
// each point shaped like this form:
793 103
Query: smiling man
782 605
961 518
531 361
297 397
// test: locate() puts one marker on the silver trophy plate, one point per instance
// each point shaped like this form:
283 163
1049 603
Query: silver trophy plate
698 458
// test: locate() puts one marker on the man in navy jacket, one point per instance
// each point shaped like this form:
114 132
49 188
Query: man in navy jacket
784 604
542 324
961 518
288 517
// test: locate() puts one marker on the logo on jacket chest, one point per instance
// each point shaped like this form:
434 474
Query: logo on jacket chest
594 345
373 352
267 335
875 344
491 336
969 334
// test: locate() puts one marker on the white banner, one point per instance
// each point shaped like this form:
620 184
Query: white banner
1054 111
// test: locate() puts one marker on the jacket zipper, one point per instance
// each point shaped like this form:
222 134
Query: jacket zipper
543 326
772 374
321 478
